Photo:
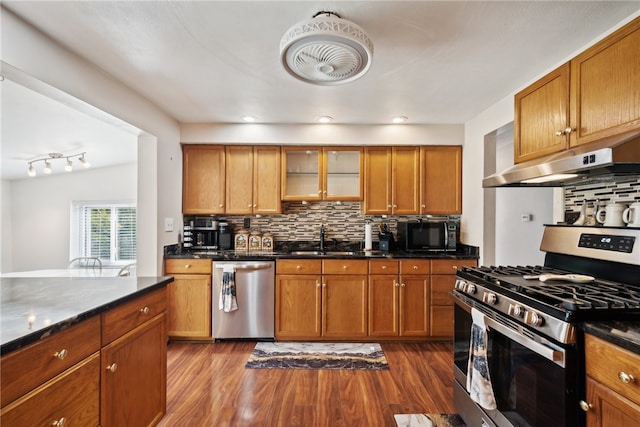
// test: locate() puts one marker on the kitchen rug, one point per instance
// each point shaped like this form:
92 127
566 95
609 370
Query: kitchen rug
429 420
291 355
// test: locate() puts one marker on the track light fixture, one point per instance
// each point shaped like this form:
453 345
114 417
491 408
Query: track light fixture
31 171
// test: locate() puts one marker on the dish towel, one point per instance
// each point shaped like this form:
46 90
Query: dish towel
478 379
228 301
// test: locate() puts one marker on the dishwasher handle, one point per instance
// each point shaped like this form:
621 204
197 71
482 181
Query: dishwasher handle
261 266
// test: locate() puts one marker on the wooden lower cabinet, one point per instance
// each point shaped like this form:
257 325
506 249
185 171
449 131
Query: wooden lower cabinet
313 305
298 306
443 279
189 299
613 390
134 372
72 398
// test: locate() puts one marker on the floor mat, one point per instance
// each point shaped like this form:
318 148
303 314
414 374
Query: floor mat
429 420
290 355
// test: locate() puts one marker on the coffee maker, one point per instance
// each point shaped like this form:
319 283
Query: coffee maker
201 234
225 236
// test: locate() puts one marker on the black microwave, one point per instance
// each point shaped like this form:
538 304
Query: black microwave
431 235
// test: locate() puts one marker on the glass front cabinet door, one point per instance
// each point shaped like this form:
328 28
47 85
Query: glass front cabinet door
329 173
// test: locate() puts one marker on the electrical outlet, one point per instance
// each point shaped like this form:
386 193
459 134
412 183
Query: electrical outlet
168 224
247 223
526 217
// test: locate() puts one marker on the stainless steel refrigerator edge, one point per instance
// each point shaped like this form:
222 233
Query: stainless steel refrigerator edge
255 293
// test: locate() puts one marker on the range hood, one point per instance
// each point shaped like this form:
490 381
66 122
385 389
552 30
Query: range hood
576 165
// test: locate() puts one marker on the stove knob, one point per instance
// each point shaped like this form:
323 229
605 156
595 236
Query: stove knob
516 310
533 319
460 284
489 298
470 288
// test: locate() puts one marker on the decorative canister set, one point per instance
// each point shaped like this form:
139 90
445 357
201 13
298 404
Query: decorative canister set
619 215
254 241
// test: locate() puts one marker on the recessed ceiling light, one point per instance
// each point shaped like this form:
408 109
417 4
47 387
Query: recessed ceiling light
325 119
399 119
248 119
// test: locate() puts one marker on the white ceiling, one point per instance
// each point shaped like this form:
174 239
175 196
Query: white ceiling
215 61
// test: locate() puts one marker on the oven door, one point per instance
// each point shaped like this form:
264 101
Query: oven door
533 380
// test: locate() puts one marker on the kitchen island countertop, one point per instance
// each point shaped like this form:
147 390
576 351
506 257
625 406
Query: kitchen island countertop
33 308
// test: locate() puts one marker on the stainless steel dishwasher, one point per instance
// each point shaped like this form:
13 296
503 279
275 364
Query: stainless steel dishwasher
255 294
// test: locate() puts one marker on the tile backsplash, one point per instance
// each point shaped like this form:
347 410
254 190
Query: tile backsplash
301 222
623 190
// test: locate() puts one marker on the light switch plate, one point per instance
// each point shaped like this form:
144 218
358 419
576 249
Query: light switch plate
168 224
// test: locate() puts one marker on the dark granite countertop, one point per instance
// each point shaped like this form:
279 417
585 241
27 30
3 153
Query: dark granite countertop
625 334
34 308
340 252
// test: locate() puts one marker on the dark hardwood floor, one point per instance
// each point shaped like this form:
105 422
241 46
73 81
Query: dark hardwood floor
209 386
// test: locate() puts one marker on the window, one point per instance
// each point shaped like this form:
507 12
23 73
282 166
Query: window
104 230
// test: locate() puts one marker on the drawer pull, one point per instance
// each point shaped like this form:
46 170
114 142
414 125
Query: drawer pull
344 267
187 266
61 354
298 267
415 267
586 407
60 422
145 310
625 378
384 267
455 267
113 367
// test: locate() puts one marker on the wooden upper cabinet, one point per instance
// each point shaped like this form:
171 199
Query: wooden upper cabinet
252 180
441 180
203 179
542 116
328 173
391 180
404 178
605 80
377 180
592 98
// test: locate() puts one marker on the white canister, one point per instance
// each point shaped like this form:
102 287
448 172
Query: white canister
631 215
611 215
367 237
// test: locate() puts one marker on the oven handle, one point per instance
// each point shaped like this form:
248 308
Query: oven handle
556 356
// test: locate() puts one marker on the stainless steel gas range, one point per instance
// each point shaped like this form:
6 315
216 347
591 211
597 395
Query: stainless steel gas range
518 350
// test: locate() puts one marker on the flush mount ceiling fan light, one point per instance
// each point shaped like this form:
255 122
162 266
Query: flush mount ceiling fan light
326 50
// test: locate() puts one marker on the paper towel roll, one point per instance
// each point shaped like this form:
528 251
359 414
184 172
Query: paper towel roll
367 237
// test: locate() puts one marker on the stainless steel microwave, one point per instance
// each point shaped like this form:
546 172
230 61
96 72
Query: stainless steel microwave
430 235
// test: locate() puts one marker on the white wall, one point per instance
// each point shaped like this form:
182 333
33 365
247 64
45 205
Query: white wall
6 226
30 51
43 207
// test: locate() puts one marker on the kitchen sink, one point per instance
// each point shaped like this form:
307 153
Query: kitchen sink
323 253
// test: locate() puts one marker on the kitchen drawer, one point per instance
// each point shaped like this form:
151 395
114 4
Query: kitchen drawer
187 266
450 266
606 363
441 287
299 266
414 266
345 266
383 266
47 358
120 320
72 398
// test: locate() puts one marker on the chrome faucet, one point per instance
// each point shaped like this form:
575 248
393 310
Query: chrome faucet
322 237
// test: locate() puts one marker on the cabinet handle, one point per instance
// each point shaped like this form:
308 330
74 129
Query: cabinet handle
298 267
324 285
221 206
254 205
396 284
344 267
586 407
317 284
113 367
249 205
145 310
395 206
384 267
455 267
60 422
389 206
402 285
569 130
560 133
187 266
626 378
415 267
61 354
